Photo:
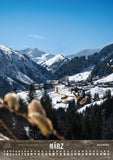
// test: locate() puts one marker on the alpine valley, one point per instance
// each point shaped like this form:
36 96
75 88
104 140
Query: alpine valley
76 92
83 74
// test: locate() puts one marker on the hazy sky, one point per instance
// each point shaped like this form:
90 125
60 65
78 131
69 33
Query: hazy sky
56 26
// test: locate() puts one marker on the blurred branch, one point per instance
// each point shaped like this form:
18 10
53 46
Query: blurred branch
25 115
16 112
4 137
9 130
55 133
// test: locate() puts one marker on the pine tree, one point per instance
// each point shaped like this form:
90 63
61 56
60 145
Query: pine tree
83 93
108 108
96 123
96 96
73 123
61 116
88 94
107 93
86 130
71 105
31 93
50 111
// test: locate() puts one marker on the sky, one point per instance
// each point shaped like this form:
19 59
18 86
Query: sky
56 26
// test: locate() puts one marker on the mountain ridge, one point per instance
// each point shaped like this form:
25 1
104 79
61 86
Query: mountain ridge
85 52
18 71
55 63
77 64
36 55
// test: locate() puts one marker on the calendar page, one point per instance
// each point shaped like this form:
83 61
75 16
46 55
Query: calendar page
56 79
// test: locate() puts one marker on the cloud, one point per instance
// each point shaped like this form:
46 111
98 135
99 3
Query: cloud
36 36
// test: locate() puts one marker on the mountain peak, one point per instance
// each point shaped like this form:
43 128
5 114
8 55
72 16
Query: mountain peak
56 58
9 51
4 48
36 55
32 53
54 63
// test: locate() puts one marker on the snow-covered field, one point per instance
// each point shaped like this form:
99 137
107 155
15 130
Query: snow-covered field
56 98
100 91
80 76
108 78
66 90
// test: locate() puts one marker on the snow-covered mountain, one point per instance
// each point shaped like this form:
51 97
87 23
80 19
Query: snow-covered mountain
78 64
36 55
80 80
54 63
51 62
85 53
18 71
47 60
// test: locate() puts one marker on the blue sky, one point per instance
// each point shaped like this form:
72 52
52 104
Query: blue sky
56 26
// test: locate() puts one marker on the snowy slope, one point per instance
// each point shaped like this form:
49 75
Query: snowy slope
54 63
18 71
99 90
36 55
56 98
80 76
85 52
8 51
108 78
89 105
47 60
43 58
64 90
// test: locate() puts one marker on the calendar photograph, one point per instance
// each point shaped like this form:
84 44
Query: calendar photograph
56 79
